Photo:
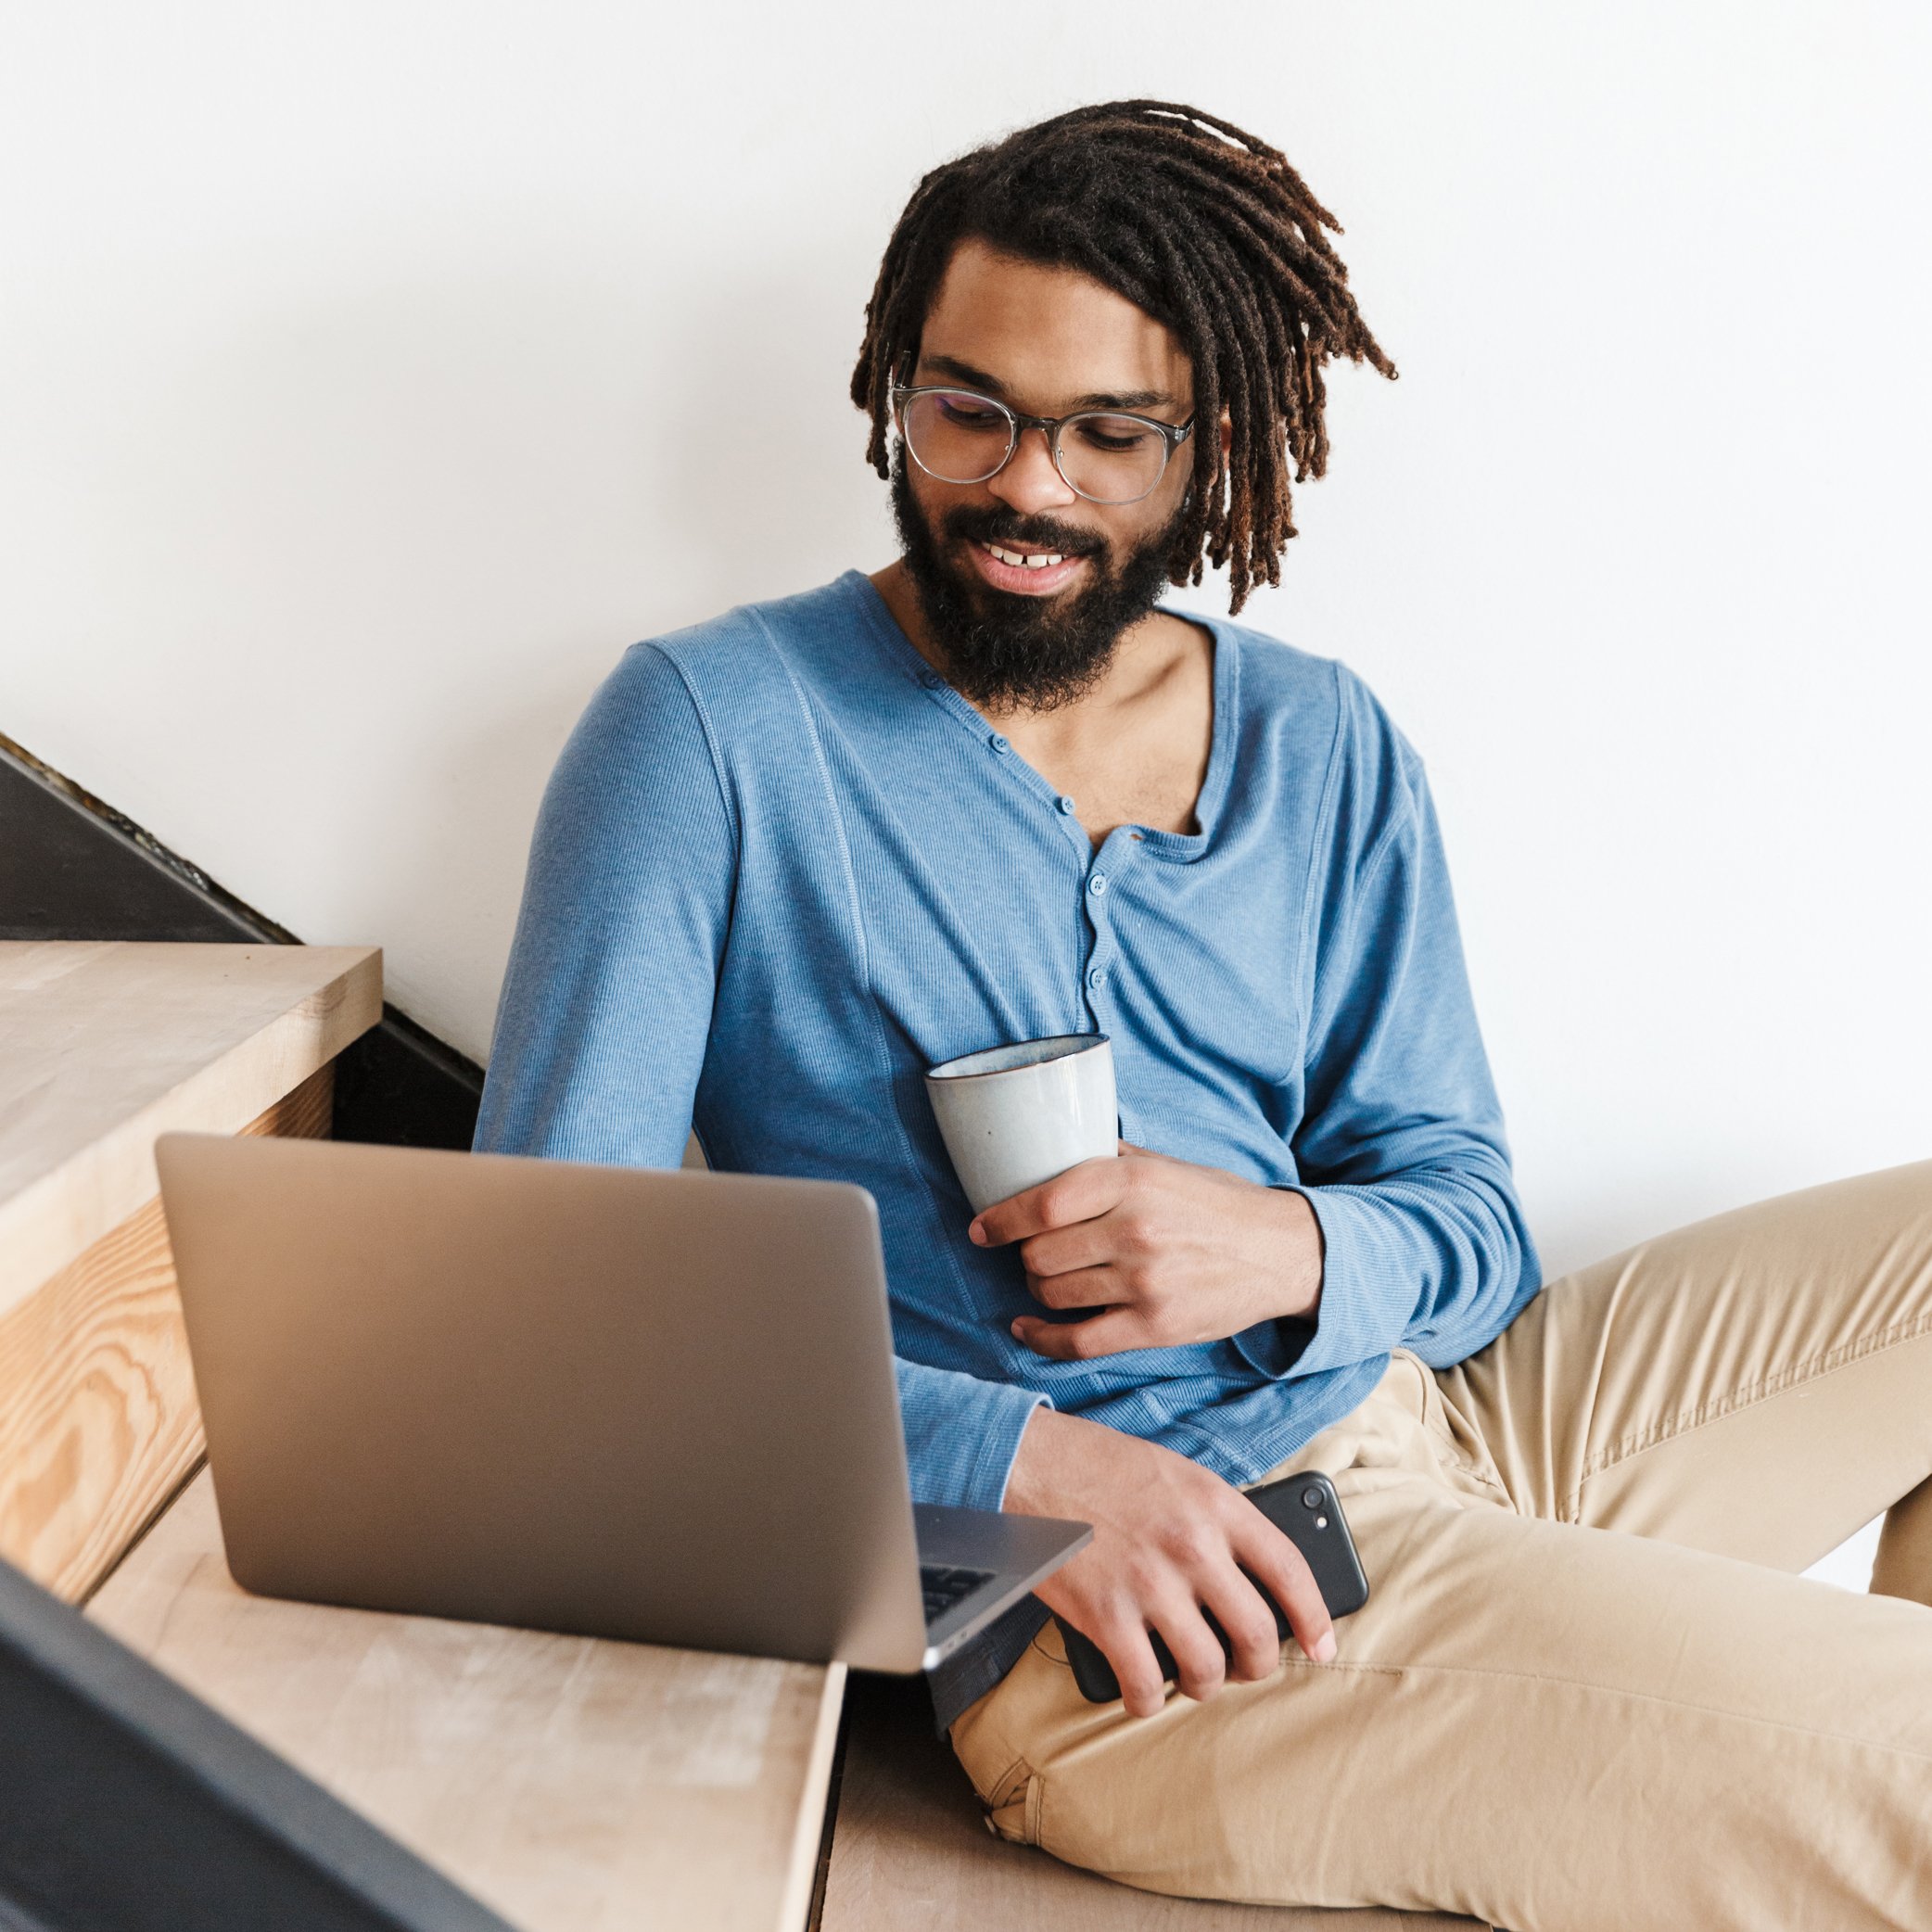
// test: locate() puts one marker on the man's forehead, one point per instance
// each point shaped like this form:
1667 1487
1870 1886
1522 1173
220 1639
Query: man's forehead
1049 336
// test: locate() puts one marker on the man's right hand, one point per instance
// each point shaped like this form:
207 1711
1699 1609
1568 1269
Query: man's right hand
1168 1537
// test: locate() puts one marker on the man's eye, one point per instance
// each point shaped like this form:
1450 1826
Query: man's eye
960 413
1116 435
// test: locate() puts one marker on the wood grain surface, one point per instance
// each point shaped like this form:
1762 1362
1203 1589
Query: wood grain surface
910 1848
568 1783
98 1420
105 1044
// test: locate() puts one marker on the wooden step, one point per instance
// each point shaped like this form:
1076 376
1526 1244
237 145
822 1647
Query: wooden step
103 1045
564 1781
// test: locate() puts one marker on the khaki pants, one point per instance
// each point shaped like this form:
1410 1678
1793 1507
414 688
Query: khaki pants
1587 1694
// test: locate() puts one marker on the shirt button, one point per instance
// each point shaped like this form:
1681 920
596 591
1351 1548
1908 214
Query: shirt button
931 680
1097 884
1095 975
998 743
1066 804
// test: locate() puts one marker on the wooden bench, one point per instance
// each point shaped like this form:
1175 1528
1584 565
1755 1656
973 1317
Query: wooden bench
565 1782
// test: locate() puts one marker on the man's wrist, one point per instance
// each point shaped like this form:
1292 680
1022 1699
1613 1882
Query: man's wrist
1028 1491
1301 1275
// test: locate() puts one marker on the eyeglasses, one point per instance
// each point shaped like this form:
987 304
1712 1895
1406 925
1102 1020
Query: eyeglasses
1107 456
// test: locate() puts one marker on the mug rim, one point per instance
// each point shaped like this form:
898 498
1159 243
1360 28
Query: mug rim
1073 1044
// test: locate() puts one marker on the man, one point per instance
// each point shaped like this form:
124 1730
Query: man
789 858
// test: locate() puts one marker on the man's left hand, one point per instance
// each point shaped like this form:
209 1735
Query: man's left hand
1167 1254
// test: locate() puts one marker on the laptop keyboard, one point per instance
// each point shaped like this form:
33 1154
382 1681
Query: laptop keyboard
944 1587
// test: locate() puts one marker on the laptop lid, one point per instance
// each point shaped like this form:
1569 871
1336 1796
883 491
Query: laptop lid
620 1402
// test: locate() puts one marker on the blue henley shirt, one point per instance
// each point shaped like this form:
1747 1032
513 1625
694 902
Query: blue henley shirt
782 867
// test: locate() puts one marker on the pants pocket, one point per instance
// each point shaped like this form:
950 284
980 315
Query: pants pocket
1457 1446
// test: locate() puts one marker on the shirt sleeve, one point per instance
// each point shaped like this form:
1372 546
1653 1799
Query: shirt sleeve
1401 1150
961 1433
605 1014
606 1006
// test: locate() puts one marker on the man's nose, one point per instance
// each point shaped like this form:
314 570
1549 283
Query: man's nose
1030 483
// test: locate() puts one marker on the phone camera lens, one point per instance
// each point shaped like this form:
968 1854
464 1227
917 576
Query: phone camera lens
1311 1497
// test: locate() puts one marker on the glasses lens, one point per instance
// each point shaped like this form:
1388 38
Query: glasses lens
1112 459
957 436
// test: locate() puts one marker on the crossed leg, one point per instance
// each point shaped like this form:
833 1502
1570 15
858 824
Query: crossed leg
1586 1694
1758 1384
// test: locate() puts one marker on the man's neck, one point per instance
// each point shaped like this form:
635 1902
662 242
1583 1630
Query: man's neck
1140 673
1135 748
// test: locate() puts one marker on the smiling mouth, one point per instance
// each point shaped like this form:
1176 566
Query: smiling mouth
1025 573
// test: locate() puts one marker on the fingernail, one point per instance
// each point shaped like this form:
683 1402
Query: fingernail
976 1234
1324 1650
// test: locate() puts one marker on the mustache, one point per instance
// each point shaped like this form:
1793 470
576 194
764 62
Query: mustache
973 523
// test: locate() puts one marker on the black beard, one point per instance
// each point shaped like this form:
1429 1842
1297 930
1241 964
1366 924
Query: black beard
1004 649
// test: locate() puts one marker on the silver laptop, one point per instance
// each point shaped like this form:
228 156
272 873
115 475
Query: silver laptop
612 1401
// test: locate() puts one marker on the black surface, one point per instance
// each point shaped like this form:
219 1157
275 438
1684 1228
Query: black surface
75 870
66 874
401 1085
127 1805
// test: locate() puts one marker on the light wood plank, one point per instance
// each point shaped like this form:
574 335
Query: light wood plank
98 1420
910 1848
566 1782
103 1045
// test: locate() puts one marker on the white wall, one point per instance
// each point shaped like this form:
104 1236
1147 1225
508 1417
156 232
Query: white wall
371 376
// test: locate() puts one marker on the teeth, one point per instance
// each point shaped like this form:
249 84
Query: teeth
1019 562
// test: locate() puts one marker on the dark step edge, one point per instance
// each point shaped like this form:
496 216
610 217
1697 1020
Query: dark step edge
399 1084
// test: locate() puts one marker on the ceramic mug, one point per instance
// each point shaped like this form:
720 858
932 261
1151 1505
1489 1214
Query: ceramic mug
1014 1116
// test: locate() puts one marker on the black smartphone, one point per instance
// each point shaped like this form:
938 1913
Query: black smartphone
1306 1510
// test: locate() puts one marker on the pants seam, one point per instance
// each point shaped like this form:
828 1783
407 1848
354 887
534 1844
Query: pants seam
1456 1460
1737 1400
1046 1656
1609 1690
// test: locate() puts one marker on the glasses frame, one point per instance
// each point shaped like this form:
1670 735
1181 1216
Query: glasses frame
1173 435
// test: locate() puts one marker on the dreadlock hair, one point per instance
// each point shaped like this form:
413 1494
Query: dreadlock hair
1196 224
